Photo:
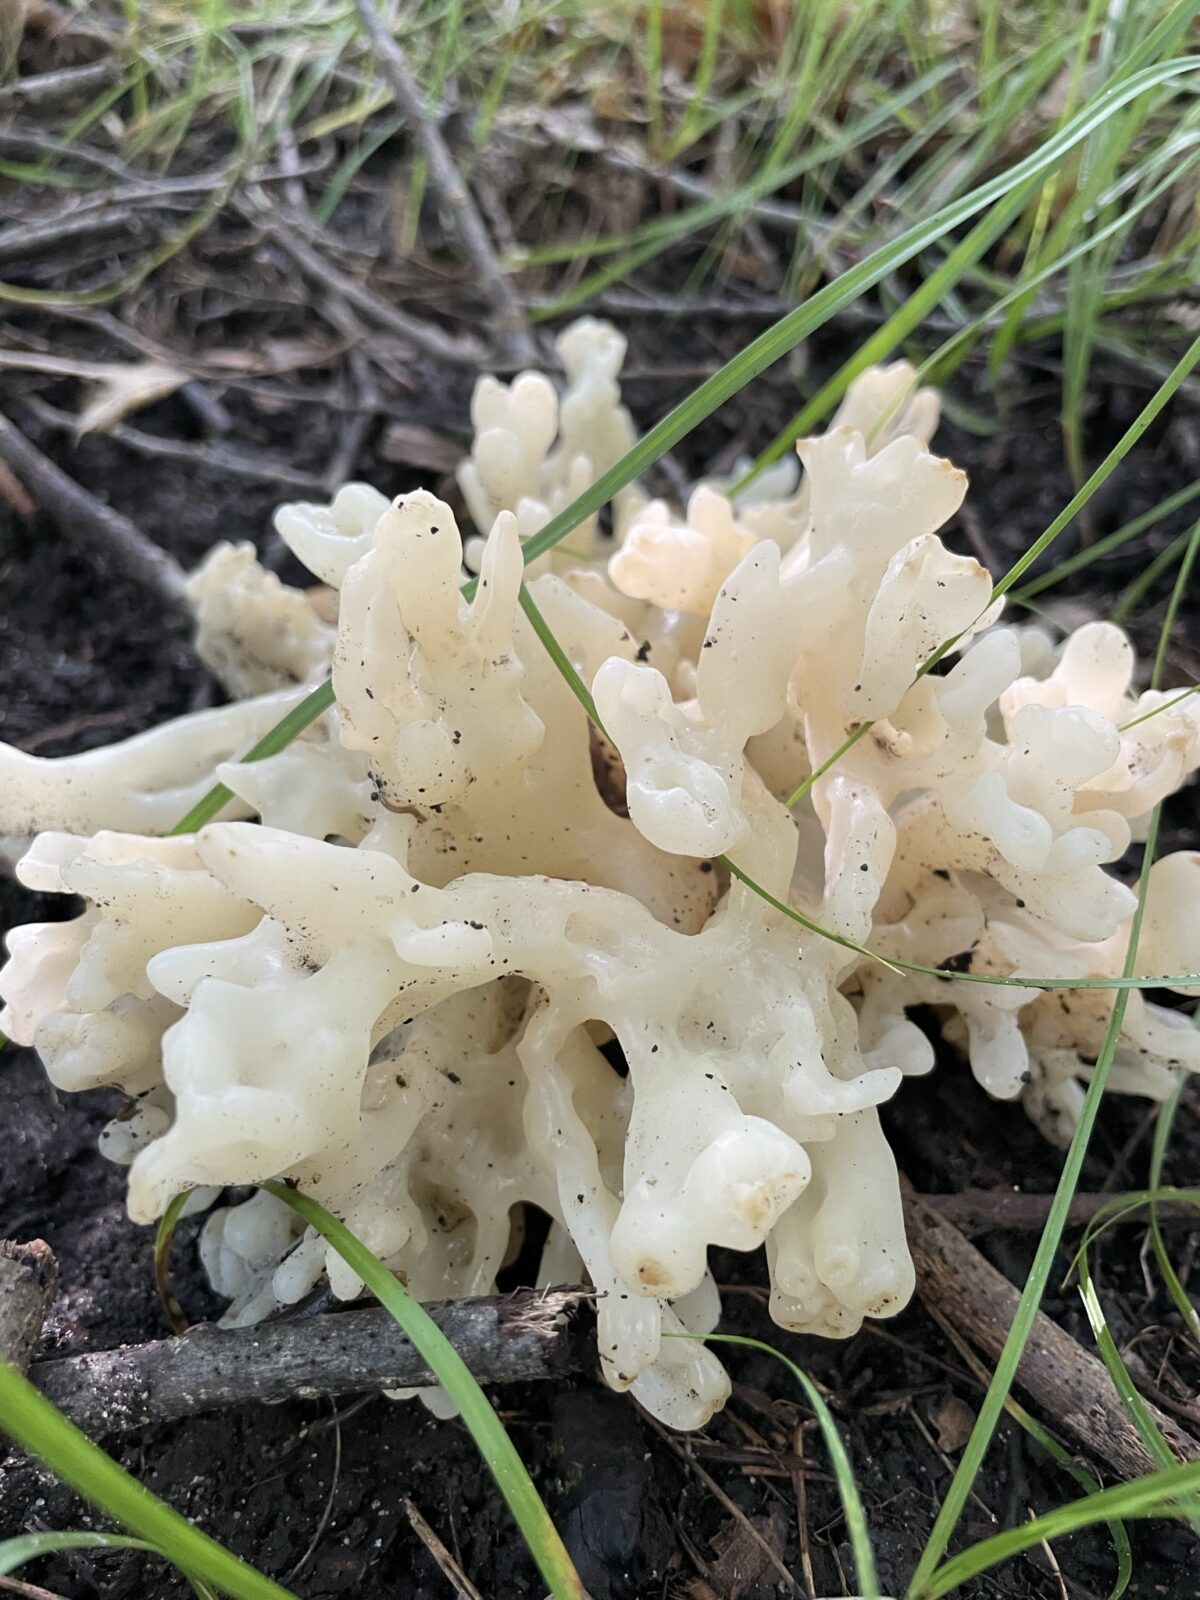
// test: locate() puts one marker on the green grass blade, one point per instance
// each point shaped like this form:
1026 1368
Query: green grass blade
1033 255
1039 1274
1167 705
799 324
843 1471
1166 1116
1150 1433
1057 1453
1100 159
933 288
1112 541
930 294
454 1375
1112 460
1140 586
41 1430
775 343
714 18
1089 1485
652 75
1122 1206
349 166
560 658
163 1236
1151 1496
1173 604
1162 1134
1048 1245
950 355
583 694
663 231
278 738
26 1547
15 1553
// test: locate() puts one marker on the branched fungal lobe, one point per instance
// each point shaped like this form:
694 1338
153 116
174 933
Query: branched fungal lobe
400 967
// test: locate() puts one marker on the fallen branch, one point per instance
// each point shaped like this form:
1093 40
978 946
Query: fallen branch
449 1567
505 1339
1071 1385
446 180
421 334
52 88
28 1273
211 455
126 213
978 1210
88 522
527 1336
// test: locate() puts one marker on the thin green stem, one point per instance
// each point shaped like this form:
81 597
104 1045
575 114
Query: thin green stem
843 1470
278 738
40 1429
1151 1496
453 1374
923 1585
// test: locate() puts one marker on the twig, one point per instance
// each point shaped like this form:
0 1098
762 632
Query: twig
28 1273
323 1521
50 88
634 303
213 416
62 732
216 457
24 141
28 1591
934 1448
21 141
293 188
504 1339
127 221
421 335
978 1210
446 180
121 209
86 521
446 1563
800 1490
1067 1381
686 1455
356 425
55 22
53 366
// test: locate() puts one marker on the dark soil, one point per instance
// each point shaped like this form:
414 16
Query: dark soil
316 1499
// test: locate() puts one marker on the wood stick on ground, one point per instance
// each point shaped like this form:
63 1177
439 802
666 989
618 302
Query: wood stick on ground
213 455
87 521
51 88
1069 1384
28 1273
449 1567
977 1210
446 180
27 1591
503 1339
421 334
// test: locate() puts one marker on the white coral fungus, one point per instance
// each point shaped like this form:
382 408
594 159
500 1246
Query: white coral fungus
449 973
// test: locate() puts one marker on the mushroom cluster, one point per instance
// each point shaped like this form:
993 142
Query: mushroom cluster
458 951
